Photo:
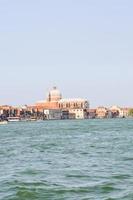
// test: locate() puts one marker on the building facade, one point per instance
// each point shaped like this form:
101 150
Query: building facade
54 114
101 112
54 101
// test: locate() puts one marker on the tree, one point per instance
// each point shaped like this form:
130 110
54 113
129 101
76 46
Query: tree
131 112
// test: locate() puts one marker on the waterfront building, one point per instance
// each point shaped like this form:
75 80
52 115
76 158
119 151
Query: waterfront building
51 102
4 111
78 107
91 113
78 113
65 114
53 107
73 103
72 115
116 111
56 108
75 107
101 112
126 111
53 114
68 115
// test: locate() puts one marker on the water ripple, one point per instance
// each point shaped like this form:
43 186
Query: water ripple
62 160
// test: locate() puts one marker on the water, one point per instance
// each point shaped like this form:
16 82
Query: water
67 160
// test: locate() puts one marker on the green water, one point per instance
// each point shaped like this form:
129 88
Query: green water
62 160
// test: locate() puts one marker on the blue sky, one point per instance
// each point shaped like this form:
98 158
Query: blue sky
85 47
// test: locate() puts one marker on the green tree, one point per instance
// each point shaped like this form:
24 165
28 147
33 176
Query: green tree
131 112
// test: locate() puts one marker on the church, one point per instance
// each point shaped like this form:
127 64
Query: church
76 108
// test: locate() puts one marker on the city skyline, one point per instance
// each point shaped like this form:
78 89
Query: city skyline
83 47
39 102
56 107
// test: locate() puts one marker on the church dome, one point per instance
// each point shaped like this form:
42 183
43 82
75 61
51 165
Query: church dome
54 95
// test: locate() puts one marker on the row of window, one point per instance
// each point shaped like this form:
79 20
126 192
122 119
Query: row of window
68 105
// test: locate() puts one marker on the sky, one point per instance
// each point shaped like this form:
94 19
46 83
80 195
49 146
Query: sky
84 47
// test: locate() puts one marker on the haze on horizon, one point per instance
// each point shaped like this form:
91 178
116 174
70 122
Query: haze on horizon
85 48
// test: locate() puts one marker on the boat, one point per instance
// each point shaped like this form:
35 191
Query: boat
33 119
3 122
13 119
